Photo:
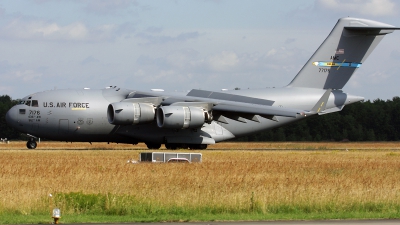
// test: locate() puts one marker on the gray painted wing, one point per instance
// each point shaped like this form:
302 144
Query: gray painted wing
238 107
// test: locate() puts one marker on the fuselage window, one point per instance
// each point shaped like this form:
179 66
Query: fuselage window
35 103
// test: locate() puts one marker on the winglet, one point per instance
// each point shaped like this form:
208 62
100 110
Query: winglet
321 104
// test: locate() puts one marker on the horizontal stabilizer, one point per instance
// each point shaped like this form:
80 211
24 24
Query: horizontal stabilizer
372 30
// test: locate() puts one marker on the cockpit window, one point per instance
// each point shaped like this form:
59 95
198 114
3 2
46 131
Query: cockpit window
28 103
35 103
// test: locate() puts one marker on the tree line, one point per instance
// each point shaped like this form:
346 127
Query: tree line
5 131
376 120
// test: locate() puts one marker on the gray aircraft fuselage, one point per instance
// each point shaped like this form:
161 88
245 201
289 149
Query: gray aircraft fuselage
81 115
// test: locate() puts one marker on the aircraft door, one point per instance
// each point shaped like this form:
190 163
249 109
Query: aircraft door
22 114
63 126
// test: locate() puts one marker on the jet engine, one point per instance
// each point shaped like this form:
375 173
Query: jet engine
181 117
128 113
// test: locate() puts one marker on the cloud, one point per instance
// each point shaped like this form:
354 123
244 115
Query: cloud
154 29
378 77
27 75
20 29
290 40
17 72
5 67
213 1
2 12
108 7
183 61
42 1
50 31
271 52
163 39
187 68
89 60
224 61
5 89
369 7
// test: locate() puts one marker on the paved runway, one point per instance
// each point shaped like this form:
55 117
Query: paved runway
313 222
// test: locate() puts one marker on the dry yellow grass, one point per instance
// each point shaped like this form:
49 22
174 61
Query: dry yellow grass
234 179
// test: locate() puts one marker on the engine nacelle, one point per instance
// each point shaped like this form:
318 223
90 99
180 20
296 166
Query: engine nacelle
128 113
181 117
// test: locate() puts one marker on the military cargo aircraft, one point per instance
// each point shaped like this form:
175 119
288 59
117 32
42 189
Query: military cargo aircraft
199 118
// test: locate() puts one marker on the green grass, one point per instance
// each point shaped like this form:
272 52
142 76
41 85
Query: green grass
77 207
84 218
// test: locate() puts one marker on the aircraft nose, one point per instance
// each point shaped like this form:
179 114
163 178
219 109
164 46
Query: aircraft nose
11 117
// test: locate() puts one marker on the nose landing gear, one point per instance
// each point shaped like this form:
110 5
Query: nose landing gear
31 144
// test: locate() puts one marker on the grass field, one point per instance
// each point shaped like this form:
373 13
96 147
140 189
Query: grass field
235 181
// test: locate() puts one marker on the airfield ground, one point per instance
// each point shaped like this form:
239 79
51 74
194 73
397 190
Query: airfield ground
48 145
235 181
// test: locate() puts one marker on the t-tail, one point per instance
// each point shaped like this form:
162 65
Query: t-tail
341 54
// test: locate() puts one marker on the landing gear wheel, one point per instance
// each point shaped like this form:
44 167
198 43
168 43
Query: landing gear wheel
153 145
31 144
197 146
203 146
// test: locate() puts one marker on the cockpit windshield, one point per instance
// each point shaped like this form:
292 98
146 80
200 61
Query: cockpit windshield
35 103
32 103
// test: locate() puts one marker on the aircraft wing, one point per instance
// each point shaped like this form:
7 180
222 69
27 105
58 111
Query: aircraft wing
267 110
239 107
242 107
264 110
234 106
229 106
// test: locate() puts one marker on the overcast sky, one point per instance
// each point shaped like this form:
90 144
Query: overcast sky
178 45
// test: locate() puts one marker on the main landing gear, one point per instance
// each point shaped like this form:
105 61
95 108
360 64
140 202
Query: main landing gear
151 145
174 146
31 144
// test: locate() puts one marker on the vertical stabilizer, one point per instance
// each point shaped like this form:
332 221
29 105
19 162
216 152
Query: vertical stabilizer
341 54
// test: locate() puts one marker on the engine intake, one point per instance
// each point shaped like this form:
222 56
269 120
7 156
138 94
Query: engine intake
181 117
128 113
